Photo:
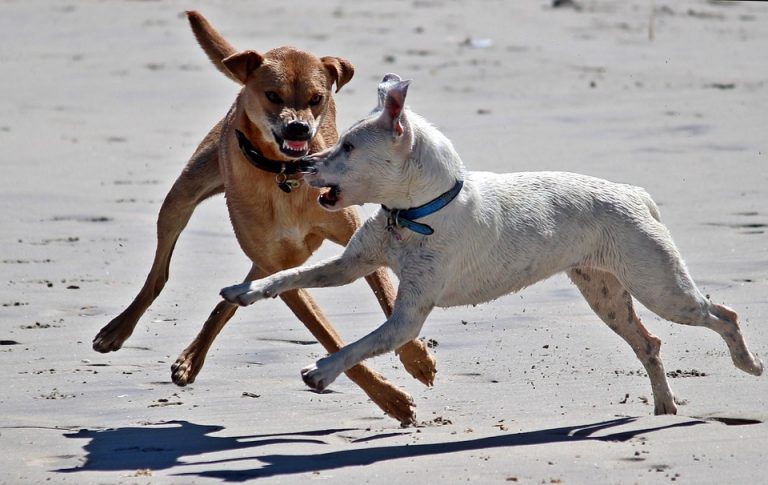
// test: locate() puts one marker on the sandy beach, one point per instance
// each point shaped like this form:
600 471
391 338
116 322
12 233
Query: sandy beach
103 103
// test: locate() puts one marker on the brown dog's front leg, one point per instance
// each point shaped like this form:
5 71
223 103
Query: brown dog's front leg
393 401
191 360
414 355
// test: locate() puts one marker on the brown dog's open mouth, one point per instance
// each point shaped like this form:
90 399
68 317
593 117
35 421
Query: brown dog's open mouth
292 148
330 197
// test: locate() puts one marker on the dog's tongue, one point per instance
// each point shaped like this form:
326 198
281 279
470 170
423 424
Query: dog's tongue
296 145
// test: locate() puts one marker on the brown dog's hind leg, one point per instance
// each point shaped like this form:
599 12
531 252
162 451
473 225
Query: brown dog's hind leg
388 397
199 180
613 304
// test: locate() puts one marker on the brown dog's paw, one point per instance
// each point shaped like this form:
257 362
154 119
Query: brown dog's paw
185 369
398 405
392 400
111 337
418 361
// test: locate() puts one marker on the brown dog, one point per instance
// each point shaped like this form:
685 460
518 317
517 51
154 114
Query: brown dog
284 111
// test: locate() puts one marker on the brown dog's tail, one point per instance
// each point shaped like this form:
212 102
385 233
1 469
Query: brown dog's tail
216 48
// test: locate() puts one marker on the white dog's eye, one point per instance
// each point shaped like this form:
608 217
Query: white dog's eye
347 147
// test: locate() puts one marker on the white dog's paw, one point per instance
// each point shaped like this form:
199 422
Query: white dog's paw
749 363
317 376
245 294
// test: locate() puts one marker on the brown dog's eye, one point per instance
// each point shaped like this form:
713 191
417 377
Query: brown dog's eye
315 100
347 147
273 97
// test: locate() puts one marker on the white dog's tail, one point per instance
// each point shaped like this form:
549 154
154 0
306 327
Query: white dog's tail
649 203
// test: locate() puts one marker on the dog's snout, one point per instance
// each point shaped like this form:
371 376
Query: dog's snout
297 129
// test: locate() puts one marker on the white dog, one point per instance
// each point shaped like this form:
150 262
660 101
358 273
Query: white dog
482 235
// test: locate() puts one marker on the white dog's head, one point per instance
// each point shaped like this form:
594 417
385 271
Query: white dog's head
369 162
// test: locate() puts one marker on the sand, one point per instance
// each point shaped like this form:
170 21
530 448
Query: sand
104 101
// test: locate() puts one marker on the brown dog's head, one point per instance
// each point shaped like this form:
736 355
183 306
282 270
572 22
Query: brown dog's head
287 93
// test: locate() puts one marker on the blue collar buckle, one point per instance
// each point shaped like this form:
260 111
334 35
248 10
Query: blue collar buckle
397 218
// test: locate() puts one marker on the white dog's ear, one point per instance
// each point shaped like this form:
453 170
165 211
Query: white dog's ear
389 80
393 114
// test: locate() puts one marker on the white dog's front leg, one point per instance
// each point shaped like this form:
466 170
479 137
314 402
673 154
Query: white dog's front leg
336 271
250 292
403 326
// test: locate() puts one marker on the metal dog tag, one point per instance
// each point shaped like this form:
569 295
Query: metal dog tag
285 184
392 226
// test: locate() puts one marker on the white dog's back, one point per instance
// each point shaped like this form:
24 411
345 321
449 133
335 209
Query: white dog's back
549 221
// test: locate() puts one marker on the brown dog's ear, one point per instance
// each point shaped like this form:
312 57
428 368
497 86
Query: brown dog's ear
242 64
341 70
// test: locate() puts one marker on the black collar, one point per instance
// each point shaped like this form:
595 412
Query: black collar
279 167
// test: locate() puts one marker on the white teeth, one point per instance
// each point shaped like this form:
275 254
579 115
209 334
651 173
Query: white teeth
295 148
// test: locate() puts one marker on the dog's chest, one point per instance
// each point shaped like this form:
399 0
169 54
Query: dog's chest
394 253
264 216
403 251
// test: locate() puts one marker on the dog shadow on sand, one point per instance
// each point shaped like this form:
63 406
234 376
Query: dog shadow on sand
162 447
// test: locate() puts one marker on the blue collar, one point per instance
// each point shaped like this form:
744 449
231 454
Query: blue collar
405 217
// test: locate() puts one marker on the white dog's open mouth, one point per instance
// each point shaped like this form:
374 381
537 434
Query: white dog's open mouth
330 197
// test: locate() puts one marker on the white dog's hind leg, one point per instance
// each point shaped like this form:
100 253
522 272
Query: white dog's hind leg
724 321
655 274
613 304
719 318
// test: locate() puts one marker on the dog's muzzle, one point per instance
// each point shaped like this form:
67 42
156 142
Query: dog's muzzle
294 138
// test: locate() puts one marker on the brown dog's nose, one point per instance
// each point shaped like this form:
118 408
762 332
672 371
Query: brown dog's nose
297 130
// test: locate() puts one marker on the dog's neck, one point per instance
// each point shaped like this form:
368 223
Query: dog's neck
432 169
